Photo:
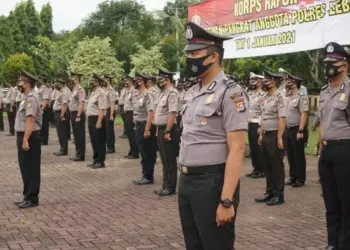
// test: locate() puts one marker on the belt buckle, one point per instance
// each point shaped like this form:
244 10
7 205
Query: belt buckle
184 170
325 143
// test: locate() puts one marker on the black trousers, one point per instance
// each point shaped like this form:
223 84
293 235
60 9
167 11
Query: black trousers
11 117
61 128
52 114
78 133
110 142
255 152
296 155
1 120
334 171
122 114
147 148
29 164
272 158
199 197
168 151
68 128
45 126
130 132
98 139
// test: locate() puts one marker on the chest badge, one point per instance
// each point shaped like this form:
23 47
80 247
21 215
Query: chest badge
209 99
204 121
342 97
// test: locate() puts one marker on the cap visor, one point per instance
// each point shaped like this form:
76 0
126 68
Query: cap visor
194 47
333 59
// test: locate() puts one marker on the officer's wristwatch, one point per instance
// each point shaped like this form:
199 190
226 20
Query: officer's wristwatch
167 132
227 203
300 131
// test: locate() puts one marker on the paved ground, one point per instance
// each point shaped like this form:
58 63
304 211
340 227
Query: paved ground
83 208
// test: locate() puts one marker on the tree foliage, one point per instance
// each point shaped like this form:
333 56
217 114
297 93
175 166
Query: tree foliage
46 21
95 55
13 65
147 61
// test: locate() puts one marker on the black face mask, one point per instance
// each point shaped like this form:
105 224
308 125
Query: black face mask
266 87
195 66
58 87
136 84
252 87
289 87
21 88
332 70
161 84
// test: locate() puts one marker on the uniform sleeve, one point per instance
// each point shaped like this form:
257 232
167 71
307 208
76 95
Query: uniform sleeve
102 101
111 96
304 104
81 95
316 121
156 98
173 102
14 94
46 94
31 106
282 106
64 97
234 110
149 102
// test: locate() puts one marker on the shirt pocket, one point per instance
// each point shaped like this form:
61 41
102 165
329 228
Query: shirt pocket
208 117
339 105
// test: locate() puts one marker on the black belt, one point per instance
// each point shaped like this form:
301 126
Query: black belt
336 142
140 122
22 133
292 127
161 126
270 132
220 168
128 111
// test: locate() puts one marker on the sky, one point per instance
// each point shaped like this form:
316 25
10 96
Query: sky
68 14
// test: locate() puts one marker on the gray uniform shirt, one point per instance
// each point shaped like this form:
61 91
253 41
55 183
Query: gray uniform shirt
154 91
11 95
168 101
61 97
334 111
255 99
208 115
122 97
182 100
30 106
296 105
143 103
97 102
43 93
111 96
68 92
78 96
128 102
273 107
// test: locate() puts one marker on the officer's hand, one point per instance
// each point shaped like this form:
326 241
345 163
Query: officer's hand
259 130
77 119
111 118
98 125
260 140
224 215
167 137
300 136
25 145
147 134
280 143
62 118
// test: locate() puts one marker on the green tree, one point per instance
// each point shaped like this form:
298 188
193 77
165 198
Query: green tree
147 61
13 65
33 26
46 20
6 39
95 55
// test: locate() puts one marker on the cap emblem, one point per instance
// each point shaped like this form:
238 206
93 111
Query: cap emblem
189 33
330 49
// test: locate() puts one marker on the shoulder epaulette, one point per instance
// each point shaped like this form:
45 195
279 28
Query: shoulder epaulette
230 83
324 87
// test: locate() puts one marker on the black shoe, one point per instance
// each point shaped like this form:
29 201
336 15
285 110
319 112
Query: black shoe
132 157
290 183
257 175
166 192
110 151
276 200
77 158
90 164
330 248
28 204
61 153
126 156
264 198
123 137
158 191
98 165
298 184
250 174
143 181
18 202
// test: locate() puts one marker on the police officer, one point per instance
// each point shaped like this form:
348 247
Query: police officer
334 161
273 123
129 124
96 111
167 131
60 107
296 120
255 97
52 101
215 121
181 91
121 108
44 99
110 115
11 111
77 116
69 93
145 133
27 126
152 88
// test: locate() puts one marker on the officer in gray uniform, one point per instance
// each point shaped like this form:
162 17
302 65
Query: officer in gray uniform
96 111
334 161
27 126
144 132
121 109
296 120
69 93
110 115
182 92
152 88
215 123
44 99
11 108
167 131
60 107
77 116
273 123
255 98
129 124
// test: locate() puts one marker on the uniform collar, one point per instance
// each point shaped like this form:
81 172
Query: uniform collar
216 80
